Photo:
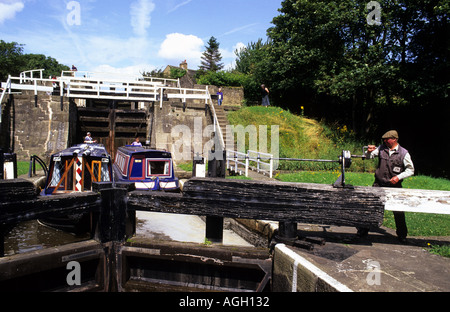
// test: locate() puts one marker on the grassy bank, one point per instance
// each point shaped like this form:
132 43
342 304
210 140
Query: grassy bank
301 137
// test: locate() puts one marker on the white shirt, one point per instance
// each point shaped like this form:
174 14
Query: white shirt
407 162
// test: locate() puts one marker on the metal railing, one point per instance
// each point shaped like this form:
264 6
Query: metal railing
264 162
32 168
235 160
257 161
217 128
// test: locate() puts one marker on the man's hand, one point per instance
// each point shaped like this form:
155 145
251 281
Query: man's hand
395 180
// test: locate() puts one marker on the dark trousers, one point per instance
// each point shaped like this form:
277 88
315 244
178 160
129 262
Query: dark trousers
400 224
399 216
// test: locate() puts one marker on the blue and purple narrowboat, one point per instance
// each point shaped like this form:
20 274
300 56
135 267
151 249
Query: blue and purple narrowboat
148 169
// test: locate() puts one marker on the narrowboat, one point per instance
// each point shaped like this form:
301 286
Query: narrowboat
148 169
75 170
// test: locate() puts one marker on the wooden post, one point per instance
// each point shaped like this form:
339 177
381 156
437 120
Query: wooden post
112 222
214 225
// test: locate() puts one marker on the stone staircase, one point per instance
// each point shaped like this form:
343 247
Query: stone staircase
223 121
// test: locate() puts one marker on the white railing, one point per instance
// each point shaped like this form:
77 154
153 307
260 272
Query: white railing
237 162
31 84
69 74
217 128
3 89
263 162
111 89
75 84
24 76
107 88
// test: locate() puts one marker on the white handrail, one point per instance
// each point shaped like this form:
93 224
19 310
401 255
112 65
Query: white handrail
105 76
3 95
108 88
23 75
217 128
237 156
259 162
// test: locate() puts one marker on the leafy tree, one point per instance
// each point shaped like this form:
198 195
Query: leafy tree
13 62
325 56
211 59
254 62
39 61
10 59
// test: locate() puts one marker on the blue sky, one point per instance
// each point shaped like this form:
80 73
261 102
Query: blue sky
135 35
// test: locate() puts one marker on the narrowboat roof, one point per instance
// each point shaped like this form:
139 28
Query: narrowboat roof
149 153
93 150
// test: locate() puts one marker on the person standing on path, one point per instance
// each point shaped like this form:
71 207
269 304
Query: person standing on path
395 165
265 96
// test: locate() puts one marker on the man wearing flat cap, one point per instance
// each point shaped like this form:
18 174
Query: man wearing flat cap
394 166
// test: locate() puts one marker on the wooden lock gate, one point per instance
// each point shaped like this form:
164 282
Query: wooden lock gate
114 264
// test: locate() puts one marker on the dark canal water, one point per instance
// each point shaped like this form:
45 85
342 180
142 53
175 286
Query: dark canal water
32 235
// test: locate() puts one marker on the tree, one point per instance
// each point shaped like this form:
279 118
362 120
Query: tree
351 71
254 62
39 61
13 62
211 59
10 59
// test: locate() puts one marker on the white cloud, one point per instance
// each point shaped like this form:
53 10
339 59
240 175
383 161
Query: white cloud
239 46
9 10
179 6
178 47
127 72
140 12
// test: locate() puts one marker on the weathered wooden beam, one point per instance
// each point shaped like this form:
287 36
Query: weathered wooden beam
31 209
18 189
277 201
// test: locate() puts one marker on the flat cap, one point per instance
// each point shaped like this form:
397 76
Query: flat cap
390 134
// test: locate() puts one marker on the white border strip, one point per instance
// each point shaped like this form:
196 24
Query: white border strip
310 267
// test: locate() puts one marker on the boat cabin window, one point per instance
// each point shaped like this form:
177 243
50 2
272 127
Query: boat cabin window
158 167
122 162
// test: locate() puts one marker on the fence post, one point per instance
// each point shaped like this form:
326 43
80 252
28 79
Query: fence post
247 163
271 166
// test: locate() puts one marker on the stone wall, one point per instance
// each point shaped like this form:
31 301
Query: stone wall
181 131
45 129
232 96
41 130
